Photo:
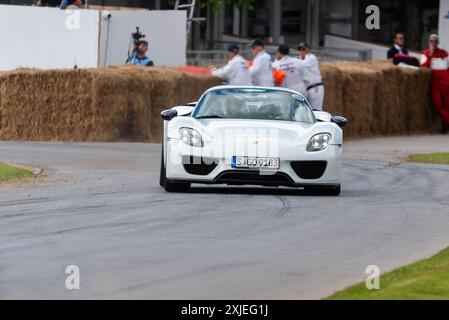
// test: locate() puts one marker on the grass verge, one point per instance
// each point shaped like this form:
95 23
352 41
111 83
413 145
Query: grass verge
8 172
424 280
440 158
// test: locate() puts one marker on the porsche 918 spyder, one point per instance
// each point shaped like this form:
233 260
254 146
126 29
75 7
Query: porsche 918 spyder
251 136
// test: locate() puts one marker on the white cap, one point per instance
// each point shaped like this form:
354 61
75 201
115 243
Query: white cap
434 37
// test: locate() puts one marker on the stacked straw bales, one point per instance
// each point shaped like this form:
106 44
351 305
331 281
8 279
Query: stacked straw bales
108 104
379 98
124 103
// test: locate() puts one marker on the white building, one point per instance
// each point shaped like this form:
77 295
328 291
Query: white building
48 38
329 24
313 21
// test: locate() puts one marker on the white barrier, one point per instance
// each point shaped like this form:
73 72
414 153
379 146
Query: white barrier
47 38
50 38
379 52
444 24
165 31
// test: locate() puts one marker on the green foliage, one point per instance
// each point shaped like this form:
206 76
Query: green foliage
441 158
8 172
425 280
216 4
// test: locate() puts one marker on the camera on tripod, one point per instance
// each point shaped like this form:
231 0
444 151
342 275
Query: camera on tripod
137 36
135 41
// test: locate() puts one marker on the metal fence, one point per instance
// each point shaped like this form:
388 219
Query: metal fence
215 57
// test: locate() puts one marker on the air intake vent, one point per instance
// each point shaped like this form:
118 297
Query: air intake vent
254 178
199 166
309 170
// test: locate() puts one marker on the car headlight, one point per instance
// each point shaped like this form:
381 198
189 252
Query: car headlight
190 137
319 142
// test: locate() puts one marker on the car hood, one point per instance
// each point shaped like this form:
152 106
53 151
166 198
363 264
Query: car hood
256 131
235 128
285 134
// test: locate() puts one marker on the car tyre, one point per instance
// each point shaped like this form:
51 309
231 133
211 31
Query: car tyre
172 186
169 185
324 191
162 176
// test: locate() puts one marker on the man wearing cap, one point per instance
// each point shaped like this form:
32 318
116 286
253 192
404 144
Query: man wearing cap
312 76
260 70
236 71
139 58
287 71
71 3
437 60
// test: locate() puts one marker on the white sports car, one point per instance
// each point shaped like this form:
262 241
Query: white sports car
251 136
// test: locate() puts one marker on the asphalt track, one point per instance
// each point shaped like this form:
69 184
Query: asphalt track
99 206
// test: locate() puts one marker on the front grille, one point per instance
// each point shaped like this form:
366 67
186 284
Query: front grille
309 170
254 178
199 166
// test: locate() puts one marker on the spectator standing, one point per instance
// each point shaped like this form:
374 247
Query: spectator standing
67 3
399 46
312 76
47 3
260 70
236 71
437 60
288 71
140 55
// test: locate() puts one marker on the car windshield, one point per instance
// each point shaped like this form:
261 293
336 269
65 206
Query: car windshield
254 103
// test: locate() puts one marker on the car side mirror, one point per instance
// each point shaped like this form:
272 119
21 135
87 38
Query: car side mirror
168 115
340 121
322 116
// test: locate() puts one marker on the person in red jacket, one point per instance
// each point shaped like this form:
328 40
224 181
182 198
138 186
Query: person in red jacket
437 60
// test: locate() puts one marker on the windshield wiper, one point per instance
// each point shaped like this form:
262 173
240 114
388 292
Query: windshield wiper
209 117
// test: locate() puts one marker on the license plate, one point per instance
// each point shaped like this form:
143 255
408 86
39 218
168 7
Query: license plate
255 163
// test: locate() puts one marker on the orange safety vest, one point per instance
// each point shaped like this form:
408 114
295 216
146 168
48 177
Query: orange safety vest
279 77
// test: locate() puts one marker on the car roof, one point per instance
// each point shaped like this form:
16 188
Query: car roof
281 89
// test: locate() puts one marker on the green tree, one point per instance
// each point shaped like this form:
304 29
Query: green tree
216 4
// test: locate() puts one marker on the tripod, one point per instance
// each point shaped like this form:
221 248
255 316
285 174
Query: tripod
133 42
131 54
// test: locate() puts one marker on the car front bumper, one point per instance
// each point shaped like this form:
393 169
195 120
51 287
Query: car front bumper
298 168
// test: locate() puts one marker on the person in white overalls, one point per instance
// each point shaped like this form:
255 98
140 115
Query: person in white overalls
260 69
312 76
236 71
290 69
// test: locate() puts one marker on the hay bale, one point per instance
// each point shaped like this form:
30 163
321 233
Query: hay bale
124 103
106 104
333 88
379 98
356 95
51 105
